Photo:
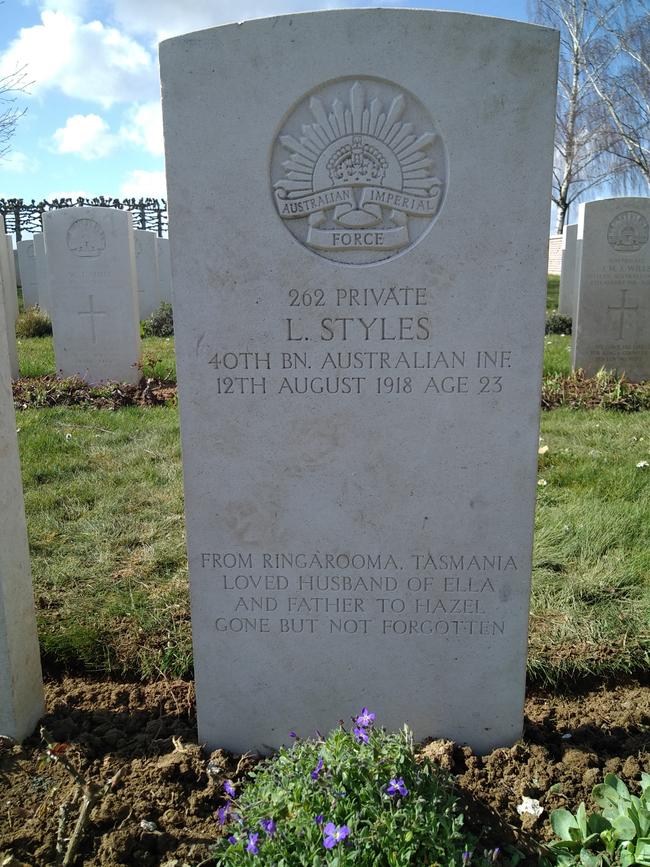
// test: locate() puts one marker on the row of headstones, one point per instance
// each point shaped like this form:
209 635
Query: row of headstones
604 286
96 277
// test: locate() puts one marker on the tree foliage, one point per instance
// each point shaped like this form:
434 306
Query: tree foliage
581 160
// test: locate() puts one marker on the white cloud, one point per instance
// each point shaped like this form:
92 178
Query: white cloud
144 127
143 184
86 135
17 162
90 61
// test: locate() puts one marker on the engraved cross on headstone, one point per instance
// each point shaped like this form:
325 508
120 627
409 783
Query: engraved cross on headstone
622 309
92 313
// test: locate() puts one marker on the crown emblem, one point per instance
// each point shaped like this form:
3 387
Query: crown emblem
628 232
86 238
361 164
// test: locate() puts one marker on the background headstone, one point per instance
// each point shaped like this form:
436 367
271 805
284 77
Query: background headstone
164 269
359 373
7 270
612 325
11 261
19 279
91 267
42 276
147 272
21 687
27 263
568 293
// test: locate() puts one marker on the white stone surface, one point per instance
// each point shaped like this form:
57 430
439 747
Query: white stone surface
11 261
19 279
91 264
149 296
29 280
7 270
568 294
21 687
10 301
164 269
42 276
360 364
612 324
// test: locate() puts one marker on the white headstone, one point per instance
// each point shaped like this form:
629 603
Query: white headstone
91 263
164 269
147 272
11 261
21 686
359 373
568 294
29 278
10 300
612 324
7 271
42 276
19 278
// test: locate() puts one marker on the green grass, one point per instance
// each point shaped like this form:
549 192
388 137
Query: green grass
552 292
105 513
557 354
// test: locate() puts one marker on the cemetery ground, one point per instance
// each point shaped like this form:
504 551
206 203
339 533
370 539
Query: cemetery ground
104 503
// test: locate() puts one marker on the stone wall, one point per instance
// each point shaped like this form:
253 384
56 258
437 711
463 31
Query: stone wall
555 254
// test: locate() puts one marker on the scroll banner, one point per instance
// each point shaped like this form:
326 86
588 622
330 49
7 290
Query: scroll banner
343 198
357 239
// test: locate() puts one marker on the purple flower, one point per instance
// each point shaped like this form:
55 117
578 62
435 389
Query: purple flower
333 834
319 819
365 718
252 844
232 840
361 735
495 854
229 788
292 734
317 769
397 787
223 814
268 825
467 857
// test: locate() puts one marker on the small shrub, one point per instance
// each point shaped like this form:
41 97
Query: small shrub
558 323
160 323
34 322
618 834
353 798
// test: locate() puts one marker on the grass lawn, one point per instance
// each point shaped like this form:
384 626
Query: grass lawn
105 512
552 292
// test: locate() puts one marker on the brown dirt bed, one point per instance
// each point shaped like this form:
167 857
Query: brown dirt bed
148 733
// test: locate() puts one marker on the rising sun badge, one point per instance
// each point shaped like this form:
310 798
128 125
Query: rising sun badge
359 171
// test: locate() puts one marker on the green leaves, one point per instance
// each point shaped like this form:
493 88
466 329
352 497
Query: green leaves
615 836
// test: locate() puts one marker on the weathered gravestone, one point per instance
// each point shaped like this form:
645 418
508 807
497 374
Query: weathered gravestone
42 276
147 272
29 281
164 269
13 279
9 298
359 342
612 327
91 268
8 274
21 688
568 293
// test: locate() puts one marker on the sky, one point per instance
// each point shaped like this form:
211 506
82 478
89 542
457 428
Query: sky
92 123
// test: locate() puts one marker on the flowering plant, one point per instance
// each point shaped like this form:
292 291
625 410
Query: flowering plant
355 797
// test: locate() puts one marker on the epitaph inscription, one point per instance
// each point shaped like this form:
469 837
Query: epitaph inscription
358 171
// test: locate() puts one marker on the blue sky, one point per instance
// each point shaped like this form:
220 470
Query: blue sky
93 124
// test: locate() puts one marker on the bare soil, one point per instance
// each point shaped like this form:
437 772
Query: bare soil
161 808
